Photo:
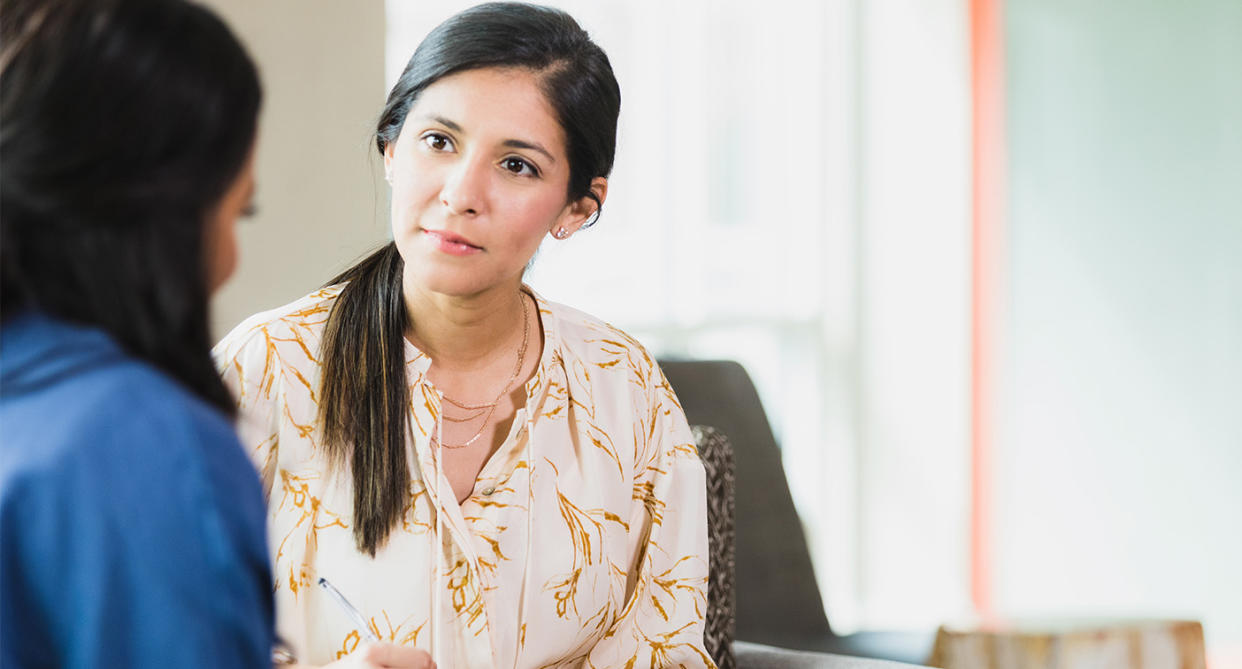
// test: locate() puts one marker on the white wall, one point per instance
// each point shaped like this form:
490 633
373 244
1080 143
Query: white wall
320 199
1119 474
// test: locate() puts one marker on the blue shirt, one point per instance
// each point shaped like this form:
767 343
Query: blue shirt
131 521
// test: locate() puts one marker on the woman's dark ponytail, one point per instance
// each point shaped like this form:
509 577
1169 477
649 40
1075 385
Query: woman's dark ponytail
364 396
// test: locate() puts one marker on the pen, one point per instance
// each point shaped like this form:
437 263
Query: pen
363 628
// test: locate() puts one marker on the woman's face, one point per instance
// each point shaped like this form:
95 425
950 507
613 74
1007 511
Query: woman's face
479 175
221 231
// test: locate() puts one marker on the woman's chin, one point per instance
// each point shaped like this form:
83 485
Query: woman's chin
452 283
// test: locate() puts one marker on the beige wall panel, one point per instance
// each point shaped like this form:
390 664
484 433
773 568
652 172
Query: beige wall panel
320 196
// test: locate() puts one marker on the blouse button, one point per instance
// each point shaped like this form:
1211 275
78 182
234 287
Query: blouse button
487 492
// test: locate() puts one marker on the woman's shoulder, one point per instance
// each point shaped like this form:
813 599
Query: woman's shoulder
297 324
593 341
81 395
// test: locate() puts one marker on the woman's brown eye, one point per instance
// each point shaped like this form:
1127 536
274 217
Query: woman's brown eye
437 142
518 166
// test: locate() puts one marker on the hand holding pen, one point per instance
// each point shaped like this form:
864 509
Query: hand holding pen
375 654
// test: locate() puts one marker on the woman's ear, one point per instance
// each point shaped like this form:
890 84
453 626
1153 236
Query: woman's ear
388 152
581 211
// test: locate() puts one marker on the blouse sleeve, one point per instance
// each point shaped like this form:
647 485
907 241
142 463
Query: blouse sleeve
247 361
662 622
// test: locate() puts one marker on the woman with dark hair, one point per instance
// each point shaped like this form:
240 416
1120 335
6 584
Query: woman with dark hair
504 481
131 522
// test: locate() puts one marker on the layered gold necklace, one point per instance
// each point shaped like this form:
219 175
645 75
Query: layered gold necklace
485 411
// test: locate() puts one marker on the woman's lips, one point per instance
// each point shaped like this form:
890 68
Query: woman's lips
450 243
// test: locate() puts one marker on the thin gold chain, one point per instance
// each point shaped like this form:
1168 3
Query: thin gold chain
490 407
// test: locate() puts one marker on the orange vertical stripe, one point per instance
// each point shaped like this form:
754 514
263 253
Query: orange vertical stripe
987 213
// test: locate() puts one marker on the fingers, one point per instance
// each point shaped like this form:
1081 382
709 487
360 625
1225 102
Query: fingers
392 656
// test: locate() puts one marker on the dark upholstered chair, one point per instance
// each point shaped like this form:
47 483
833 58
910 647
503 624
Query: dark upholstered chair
717 457
777 600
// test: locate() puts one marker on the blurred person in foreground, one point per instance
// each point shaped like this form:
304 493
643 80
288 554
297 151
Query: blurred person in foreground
484 474
131 521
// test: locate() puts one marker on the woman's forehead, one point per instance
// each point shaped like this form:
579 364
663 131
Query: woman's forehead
493 105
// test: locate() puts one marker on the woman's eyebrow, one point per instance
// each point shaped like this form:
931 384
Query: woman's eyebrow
447 123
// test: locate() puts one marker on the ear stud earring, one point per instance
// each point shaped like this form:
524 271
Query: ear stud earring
560 233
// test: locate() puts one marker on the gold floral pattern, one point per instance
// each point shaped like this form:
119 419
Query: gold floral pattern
584 543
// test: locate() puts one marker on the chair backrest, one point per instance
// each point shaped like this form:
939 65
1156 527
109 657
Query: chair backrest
776 591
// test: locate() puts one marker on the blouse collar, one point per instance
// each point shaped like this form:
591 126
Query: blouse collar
550 359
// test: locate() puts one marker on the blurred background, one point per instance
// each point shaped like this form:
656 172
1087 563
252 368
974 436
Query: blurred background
983 262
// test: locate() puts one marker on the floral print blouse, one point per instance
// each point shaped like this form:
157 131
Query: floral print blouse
583 543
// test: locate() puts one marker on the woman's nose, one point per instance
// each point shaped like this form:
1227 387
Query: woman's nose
464 191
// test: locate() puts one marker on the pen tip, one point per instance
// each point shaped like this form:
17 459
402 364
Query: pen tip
322 580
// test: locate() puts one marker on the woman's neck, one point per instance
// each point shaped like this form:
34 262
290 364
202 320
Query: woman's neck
464 333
